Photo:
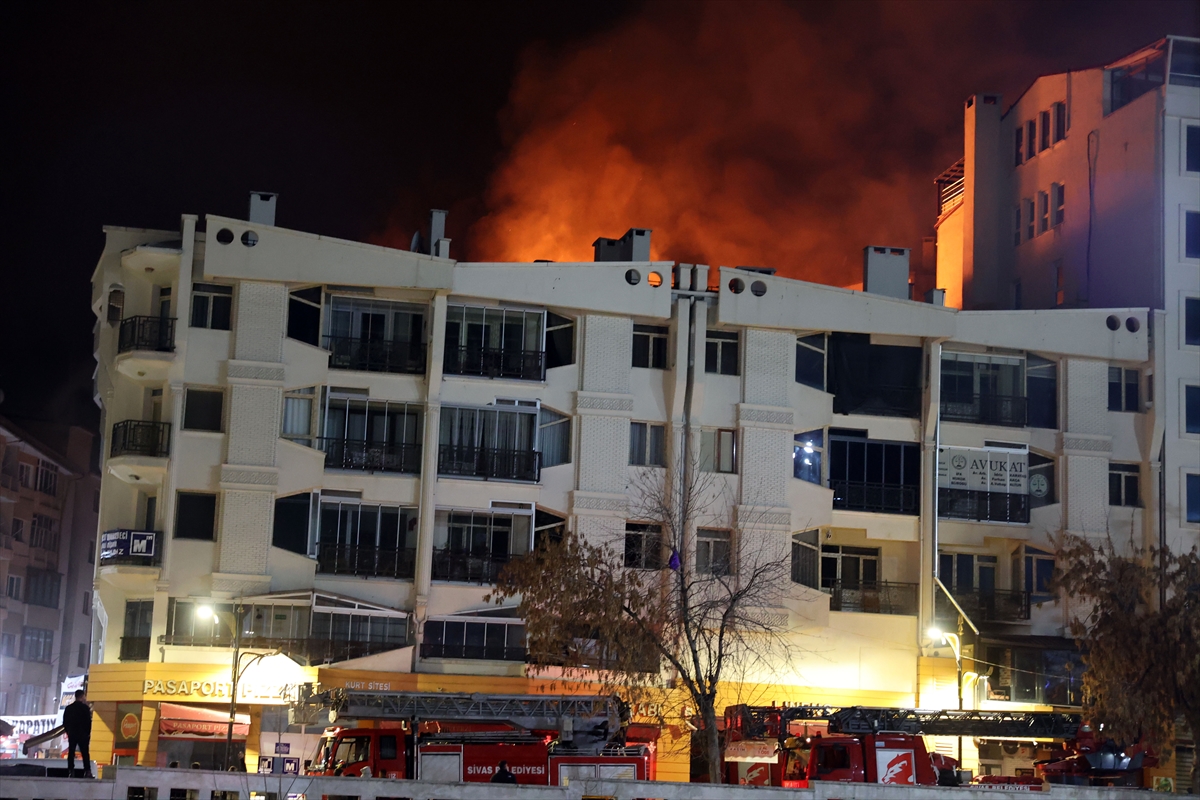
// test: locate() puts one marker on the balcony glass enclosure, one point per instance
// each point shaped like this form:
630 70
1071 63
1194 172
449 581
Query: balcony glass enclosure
374 435
495 342
983 388
498 442
473 546
375 335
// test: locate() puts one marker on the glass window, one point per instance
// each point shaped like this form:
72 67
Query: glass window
713 552
1030 218
1019 141
1191 234
1123 387
1192 147
718 450
810 360
1030 139
1123 484
806 456
202 410
721 353
1191 318
304 315
494 342
806 559
1043 201
554 432
47 478
1044 130
375 335
650 346
647 444
560 341
1193 498
1058 199
1039 574
195 516
1191 409
1041 390
848 566
1016 225
1041 480
212 306
298 416
643 546
1060 122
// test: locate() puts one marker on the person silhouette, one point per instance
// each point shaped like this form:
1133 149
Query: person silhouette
502 774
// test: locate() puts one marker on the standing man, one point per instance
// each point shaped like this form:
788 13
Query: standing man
77 719
503 775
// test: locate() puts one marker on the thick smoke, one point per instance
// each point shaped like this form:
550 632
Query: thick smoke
752 133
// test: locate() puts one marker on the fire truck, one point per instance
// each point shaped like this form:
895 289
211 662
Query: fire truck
793 746
543 740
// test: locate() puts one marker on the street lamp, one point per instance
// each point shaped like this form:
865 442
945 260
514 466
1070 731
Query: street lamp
955 642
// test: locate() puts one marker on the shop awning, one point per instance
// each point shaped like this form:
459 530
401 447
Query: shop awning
753 752
204 724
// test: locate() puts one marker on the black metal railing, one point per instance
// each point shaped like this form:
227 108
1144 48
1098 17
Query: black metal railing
881 400
147 333
374 355
372 562
493 362
473 651
455 565
983 606
307 651
879 597
983 506
488 462
125 549
985 409
135 437
370 456
884 498
135 648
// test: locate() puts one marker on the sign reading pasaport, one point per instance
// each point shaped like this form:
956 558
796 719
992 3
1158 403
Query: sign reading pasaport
121 542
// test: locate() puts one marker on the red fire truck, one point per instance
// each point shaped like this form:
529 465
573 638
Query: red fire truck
464 737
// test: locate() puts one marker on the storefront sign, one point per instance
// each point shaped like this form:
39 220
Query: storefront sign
32 726
202 691
122 542
130 726
266 765
291 766
282 748
983 470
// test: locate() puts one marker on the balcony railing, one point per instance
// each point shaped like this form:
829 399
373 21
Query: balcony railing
474 651
135 437
985 409
371 456
147 333
983 506
367 562
373 355
883 498
489 362
129 547
308 651
455 565
487 462
135 648
881 597
984 606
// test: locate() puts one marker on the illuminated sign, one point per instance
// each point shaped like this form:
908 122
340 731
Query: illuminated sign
123 542
983 470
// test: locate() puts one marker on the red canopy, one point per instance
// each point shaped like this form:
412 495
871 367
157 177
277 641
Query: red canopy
194 722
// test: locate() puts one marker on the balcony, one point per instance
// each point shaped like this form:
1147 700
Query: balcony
122 546
983 605
489 362
371 456
373 355
485 652
985 409
307 651
883 597
135 437
147 333
366 562
490 463
983 506
455 565
883 498
135 648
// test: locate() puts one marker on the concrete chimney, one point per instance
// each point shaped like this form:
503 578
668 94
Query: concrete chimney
262 208
439 245
633 246
885 271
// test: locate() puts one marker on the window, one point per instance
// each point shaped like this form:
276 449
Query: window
1191 235
492 640
650 346
1123 389
8 645
1191 319
806 559
713 552
494 343
212 306
810 360
473 546
1193 498
1044 129
1060 284
195 516
92 551
718 450
1041 480
86 605
202 410
43 533
489 442
37 644
643 546
1019 153
13 589
1060 122
47 478
554 437
1043 200
1058 199
26 475
1192 149
1017 226
375 335
18 530
871 475
848 567
1041 392
873 379
376 435
806 456
721 352
985 389
1030 139
1123 484
1191 409
298 416
1039 574
304 315
647 444
560 341
1030 218
41 587
965 573
82 660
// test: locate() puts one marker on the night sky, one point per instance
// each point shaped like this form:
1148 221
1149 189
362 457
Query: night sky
787 135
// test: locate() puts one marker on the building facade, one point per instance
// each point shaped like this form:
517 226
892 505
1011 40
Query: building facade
48 502
330 449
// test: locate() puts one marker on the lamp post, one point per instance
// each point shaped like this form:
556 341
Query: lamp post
955 642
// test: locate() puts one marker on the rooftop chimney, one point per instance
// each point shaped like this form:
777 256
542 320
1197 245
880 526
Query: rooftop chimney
433 241
262 207
633 246
885 271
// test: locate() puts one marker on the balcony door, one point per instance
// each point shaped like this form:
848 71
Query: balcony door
512 430
965 573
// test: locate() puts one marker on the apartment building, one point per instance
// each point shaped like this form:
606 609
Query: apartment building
1085 193
329 449
48 501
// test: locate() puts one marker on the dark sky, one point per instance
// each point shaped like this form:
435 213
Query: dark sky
789 134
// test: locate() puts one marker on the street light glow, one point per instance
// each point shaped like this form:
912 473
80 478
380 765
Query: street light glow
935 633
204 612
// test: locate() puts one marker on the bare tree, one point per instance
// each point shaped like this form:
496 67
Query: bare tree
659 609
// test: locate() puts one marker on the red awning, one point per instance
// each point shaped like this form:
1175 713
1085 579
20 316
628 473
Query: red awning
204 724
642 733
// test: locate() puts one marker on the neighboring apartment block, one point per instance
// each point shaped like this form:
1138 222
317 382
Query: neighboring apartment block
1085 193
341 444
48 502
